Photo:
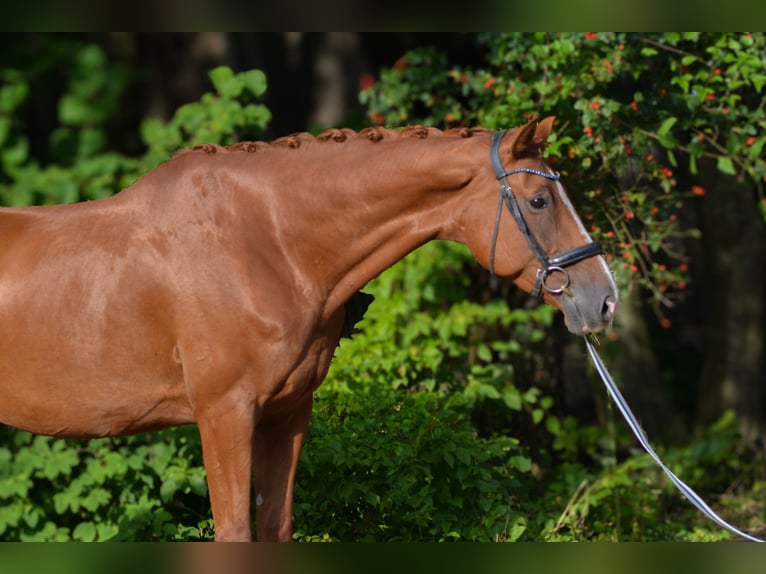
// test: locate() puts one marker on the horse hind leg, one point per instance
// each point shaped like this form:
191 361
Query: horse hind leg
276 449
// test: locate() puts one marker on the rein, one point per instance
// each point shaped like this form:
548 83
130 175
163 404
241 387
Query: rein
627 414
548 265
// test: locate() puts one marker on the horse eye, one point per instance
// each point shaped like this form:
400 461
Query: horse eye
538 202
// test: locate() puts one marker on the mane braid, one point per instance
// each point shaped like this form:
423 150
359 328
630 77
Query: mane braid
372 134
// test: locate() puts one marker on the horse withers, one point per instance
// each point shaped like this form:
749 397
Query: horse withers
213 290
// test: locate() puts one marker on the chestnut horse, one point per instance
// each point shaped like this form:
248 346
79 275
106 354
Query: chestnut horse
213 290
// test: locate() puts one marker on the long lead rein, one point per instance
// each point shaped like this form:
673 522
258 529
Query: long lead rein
617 397
557 263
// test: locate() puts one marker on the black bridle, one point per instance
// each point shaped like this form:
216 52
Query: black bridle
548 265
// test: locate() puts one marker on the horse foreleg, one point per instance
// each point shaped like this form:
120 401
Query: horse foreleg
227 437
276 449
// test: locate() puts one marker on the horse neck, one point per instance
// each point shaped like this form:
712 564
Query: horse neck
360 206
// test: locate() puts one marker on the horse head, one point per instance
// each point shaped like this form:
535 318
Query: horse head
536 238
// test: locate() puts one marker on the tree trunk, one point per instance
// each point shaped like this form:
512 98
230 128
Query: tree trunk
735 279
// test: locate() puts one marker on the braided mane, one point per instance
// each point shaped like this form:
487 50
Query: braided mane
338 135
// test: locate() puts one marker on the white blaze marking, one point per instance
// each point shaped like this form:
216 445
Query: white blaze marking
259 500
585 235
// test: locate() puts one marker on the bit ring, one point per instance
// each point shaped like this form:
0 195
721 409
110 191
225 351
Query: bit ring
547 272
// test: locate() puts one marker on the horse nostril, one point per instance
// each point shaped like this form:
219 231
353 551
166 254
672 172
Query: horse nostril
608 308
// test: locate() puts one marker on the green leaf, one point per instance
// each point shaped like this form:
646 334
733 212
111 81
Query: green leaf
91 141
668 142
682 81
758 81
98 497
521 463
687 60
516 529
726 165
198 483
553 425
254 81
61 502
168 489
225 82
483 352
15 154
463 455
10 515
512 398
32 517
666 126
105 531
60 463
13 95
257 115
84 532
160 136
672 38
73 110
151 131
756 148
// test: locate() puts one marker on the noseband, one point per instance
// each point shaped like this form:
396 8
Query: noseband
548 265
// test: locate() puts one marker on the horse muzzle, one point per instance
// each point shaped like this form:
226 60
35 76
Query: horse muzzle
588 310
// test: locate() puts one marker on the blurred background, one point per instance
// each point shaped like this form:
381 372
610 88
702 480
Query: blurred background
464 411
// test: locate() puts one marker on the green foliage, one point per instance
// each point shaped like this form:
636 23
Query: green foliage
381 465
216 118
81 169
76 167
135 488
622 501
92 97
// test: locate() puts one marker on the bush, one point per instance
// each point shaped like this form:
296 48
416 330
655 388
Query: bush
146 487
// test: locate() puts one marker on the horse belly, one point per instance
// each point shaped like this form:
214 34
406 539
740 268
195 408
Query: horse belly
80 366
48 390
45 392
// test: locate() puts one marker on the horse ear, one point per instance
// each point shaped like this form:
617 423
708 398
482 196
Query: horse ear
543 131
531 137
